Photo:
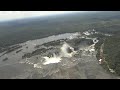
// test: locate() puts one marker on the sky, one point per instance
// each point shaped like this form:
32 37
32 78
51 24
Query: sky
11 15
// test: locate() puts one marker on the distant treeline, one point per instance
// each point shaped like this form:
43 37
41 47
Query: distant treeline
20 31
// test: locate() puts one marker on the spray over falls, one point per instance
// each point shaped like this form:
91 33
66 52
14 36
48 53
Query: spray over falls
65 51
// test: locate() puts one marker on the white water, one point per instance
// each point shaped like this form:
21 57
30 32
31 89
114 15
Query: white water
63 53
51 60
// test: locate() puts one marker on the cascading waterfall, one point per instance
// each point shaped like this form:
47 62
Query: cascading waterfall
63 53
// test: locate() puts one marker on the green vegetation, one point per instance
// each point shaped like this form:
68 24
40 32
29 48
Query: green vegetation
97 47
10 49
53 43
36 52
22 30
112 52
15 32
19 50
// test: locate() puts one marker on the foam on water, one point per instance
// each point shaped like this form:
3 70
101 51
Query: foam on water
65 50
51 60
63 53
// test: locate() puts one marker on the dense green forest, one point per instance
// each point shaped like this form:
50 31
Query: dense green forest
112 52
19 31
